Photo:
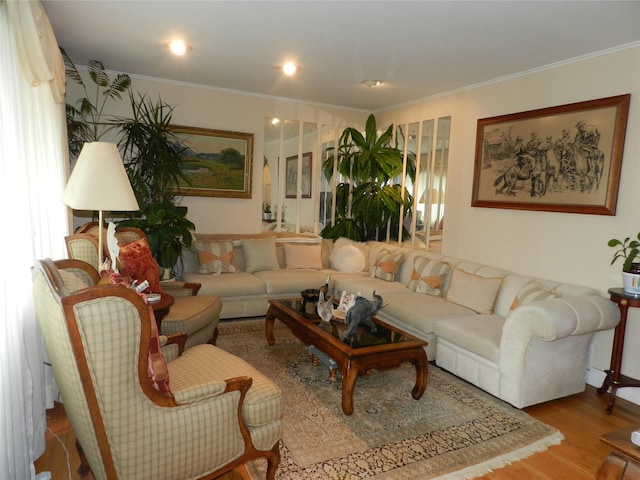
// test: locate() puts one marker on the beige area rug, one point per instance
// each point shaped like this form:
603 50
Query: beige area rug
455 431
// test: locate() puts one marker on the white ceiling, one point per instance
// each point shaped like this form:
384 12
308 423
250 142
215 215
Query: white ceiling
417 48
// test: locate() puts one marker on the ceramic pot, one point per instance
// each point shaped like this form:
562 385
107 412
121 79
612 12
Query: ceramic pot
631 279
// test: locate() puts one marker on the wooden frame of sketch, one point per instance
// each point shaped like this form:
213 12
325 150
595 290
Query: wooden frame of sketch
291 176
218 163
558 159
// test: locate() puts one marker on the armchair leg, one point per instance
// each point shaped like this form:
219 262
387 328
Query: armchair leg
273 459
214 337
84 468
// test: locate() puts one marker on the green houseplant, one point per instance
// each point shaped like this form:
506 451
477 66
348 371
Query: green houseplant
85 118
628 250
369 200
152 156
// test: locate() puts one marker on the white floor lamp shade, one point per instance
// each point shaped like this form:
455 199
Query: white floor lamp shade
100 182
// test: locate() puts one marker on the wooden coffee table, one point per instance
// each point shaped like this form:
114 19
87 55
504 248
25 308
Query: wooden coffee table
388 347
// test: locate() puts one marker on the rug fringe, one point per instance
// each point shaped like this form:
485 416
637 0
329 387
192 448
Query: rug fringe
501 461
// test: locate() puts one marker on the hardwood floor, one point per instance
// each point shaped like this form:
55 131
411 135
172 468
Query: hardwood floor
581 419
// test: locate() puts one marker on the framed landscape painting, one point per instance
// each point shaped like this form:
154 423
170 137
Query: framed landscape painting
216 162
558 159
292 176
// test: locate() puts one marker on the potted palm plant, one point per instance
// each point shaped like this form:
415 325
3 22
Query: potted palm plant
369 200
629 251
152 157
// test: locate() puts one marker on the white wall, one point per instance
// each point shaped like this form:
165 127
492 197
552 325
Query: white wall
559 246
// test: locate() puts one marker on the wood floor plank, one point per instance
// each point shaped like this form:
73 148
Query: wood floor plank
581 418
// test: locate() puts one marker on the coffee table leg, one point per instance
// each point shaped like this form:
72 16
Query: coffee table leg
268 325
422 368
348 384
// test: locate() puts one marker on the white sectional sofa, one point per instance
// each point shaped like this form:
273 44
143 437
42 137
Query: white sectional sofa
525 340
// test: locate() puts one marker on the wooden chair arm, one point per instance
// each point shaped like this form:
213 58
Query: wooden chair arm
179 339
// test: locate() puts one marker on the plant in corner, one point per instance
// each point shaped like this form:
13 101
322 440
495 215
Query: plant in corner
85 121
629 251
369 200
152 156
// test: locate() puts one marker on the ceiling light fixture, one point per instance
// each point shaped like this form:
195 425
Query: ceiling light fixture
289 68
371 83
178 47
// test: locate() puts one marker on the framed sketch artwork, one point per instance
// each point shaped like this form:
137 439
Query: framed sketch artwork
217 163
558 159
292 176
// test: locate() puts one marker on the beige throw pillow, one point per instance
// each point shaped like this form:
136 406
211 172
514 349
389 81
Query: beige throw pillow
532 292
260 254
298 255
215 257
473 291
386 265
428 276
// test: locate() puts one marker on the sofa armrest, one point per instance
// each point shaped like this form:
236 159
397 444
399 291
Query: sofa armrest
561 317
544 347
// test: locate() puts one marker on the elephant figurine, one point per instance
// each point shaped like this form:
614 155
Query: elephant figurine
361 313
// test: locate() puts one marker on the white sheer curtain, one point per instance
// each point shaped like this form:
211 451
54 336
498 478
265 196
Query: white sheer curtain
33 171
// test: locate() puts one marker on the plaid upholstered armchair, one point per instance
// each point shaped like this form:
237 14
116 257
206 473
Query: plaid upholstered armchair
135 415
196 315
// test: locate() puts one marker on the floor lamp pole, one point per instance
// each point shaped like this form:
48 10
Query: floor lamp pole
100 240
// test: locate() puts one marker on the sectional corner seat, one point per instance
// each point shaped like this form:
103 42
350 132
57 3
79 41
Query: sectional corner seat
523 339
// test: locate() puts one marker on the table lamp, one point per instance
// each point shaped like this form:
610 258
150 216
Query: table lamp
100 182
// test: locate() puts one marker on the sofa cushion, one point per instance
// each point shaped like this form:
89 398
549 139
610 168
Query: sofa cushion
421 311
473 291
299 255
428 276
237 285
215 257
291 280
479 334
260 254
386 265
532 292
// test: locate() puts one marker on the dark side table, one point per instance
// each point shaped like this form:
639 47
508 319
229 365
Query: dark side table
614 379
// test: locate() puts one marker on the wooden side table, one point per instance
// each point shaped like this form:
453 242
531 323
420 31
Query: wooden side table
614 379
623 463
161 308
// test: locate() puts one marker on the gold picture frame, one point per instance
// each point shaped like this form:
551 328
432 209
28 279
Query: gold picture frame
558 159
217 162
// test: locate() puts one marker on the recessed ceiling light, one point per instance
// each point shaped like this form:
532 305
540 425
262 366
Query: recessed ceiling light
371 83
178 47
289 68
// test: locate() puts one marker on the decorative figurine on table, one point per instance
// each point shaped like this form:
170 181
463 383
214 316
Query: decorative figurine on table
325 307
361 313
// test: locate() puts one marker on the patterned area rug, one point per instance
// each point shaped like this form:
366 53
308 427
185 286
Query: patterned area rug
455 431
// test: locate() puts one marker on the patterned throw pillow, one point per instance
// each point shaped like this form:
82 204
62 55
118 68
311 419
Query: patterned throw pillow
473 291
386 265
137 262
532 292
428 276
215 257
